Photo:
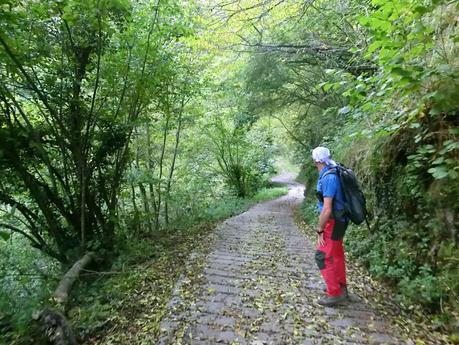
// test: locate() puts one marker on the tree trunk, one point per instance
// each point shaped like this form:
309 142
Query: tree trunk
161 163
136 210
143 192
171 171
62 291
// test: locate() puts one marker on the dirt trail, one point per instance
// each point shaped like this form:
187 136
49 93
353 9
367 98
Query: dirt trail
258 284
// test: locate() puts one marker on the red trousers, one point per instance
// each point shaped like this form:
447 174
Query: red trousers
330 258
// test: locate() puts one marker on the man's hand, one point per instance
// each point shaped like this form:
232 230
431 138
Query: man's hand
320 240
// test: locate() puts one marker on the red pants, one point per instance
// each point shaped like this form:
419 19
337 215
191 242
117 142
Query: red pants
330 258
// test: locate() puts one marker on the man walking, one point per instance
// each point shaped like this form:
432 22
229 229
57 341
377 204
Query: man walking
330 231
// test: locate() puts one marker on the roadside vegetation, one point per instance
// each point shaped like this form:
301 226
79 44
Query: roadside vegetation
128 128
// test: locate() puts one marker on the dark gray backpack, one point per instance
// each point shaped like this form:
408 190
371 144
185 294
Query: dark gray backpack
355 203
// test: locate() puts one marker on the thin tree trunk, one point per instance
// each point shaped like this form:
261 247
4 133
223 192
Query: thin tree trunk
146 205
122 159
143 192
161 161
151 188
83 209
134 204
171 171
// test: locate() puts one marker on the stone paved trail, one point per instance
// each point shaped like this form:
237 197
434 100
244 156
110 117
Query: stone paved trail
258 284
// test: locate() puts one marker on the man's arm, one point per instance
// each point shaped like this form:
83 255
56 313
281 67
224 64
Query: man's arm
323 218
325 214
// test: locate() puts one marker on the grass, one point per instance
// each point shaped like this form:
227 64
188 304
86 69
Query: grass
270 193
232 206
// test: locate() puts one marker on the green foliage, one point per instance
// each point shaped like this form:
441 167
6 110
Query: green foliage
228 206
413 172
387 105
243 164
5 235
26 281
74 88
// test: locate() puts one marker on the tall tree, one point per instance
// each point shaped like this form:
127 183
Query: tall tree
76 76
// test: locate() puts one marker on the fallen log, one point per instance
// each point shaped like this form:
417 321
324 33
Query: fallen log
61 294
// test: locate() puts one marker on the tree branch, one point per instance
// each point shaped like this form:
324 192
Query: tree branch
289 131
26 75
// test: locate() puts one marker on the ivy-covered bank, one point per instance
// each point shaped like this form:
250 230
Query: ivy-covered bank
400 134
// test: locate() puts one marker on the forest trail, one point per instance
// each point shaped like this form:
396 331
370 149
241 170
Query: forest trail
258 284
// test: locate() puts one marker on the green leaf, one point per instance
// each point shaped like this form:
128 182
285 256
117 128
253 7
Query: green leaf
400 71
439 160
439 172
422 10
453 174
326 86
375 45
5 235
363 20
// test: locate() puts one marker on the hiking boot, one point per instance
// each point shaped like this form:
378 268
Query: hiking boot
343 289
329 301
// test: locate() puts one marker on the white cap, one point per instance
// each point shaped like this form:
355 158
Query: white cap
322 155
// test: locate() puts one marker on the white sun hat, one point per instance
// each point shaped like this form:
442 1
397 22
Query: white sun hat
322 155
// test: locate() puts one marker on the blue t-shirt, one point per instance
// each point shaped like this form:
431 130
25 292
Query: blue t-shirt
330 187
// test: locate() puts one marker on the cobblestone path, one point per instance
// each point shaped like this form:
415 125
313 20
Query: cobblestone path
258 284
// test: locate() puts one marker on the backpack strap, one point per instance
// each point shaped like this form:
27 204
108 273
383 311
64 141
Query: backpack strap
331 171
328 172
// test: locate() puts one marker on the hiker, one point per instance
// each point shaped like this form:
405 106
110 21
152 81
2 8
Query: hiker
330 231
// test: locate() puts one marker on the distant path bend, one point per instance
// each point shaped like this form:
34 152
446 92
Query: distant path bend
258 284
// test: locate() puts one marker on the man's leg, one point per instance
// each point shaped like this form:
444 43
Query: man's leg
338 235
340 264
326 261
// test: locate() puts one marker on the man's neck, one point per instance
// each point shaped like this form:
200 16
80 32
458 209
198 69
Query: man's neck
321 166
